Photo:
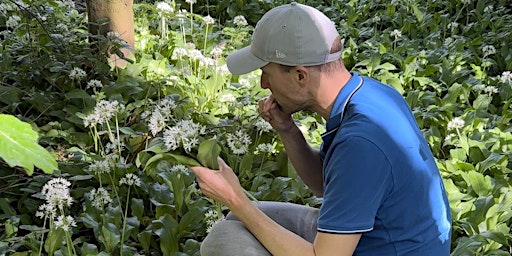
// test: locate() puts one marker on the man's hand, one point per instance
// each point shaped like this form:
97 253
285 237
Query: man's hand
271 112
221 185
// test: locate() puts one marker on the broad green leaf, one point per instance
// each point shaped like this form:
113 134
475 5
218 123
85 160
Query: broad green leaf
19 147
89 249
110 236
145 239
482 185
137 208
208 152
493 160
54 240
166 228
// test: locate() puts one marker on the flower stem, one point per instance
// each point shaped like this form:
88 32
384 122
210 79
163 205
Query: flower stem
124 219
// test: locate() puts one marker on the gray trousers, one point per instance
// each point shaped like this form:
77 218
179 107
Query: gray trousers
230 237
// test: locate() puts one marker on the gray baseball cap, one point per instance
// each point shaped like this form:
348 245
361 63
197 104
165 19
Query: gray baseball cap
292 35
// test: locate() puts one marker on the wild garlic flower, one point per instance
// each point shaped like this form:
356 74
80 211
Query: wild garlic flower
396 34
227 98
46 211
262 125
114 147
130 179
212 218
456 123
95 84
217 51
222 70
238 142
179 168
103 112
56 193
450 136
207 62
13 21
506 77
160 115
265 148
65 222
488 9
185 133
157 122
453 25
100 166
488 50
179 53
240 21
448 41
208 20
164 7
100 198
491 90
191 1
77 74
6 7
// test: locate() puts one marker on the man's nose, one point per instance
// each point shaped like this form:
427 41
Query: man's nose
264 83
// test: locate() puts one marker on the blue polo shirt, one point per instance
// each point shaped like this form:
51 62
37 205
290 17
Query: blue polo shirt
380 177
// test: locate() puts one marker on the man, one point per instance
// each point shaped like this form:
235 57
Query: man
382 192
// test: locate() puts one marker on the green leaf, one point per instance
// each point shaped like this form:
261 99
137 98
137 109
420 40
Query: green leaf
166 228
482 185
54 240
145 239
19 147
208 152
110 236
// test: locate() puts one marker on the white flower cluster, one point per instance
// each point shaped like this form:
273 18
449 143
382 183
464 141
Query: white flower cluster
95 84
488 50
191 1
456 123
491 89
130 179
103 111
506 77
77 74
262 125
57 197
192 53
161 115
65 222
212 218
265 148
100 198
100 166
208 20
6 7
164 7
13 21
179 168
217 51
396 34
238 142
185 133
240 21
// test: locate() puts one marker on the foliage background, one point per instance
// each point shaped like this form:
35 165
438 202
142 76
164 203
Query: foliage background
451 60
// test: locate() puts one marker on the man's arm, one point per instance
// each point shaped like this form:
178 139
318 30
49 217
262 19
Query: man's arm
305 160
224 187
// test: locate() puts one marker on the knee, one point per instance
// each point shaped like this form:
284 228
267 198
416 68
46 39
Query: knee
231 238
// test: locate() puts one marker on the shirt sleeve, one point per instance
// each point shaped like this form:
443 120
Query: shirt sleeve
357 179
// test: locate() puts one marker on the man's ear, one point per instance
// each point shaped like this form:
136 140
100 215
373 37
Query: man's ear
302 74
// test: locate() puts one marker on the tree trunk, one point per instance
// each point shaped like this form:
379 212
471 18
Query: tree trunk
113 16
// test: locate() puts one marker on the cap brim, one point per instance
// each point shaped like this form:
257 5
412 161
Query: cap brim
243 61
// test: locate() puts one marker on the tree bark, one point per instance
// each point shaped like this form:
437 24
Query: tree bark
113 16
